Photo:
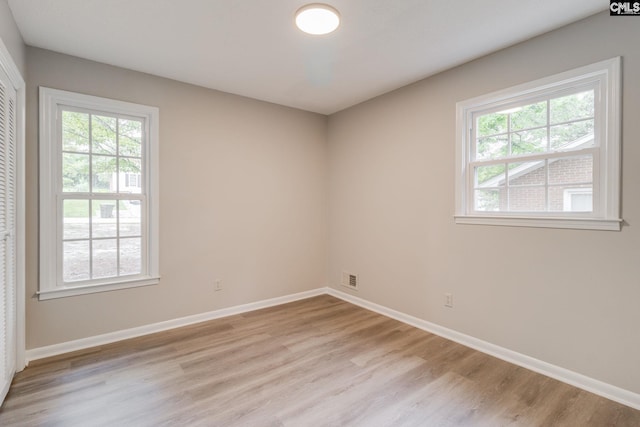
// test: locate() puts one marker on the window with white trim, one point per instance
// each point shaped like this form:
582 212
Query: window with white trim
98 194
543 154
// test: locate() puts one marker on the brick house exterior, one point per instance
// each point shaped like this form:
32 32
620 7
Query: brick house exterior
563 174
570 183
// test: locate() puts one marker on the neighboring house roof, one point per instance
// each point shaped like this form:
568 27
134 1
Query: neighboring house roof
530 167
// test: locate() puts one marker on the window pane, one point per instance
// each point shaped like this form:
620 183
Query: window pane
130 141
130 218
104 174
105 258
572 135
529 116
493 147
529 199
491 124
75 261
490 176
529 141
527 173
75 173
130 176
571 170
75 131
103 132
572 107
76 219
104 219
130 256
487 200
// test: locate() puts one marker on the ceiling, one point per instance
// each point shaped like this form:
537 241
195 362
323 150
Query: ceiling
252 48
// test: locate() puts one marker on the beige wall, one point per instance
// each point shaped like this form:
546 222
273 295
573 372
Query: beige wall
568 297
11 37
242 199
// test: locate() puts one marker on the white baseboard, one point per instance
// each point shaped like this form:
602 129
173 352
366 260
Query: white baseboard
84 343
600 388
575 379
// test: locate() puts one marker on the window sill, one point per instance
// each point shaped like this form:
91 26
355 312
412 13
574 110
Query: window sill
94 288
551 222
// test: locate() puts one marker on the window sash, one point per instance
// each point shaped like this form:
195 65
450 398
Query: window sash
594 184
93 195
144 233
547 97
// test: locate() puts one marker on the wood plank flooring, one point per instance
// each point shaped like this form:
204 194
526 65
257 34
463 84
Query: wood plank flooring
316 362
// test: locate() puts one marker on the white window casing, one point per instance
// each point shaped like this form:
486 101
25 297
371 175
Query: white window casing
603 80
53 103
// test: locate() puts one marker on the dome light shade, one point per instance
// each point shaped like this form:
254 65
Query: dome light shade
317 19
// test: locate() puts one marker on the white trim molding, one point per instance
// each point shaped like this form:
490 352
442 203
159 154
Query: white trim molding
575 379
111 337
550 222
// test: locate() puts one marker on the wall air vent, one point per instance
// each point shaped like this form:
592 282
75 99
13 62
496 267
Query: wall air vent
350 280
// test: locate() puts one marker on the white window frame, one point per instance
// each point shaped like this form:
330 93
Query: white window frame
51 102
606 186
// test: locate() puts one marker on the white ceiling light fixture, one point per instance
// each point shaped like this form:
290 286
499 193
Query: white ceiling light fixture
317 19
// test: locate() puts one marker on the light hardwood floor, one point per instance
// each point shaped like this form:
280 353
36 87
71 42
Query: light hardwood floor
316 362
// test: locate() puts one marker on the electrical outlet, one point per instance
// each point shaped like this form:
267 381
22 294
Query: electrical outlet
448 300
218 285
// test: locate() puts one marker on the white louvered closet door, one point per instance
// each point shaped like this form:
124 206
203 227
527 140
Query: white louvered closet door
7 233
